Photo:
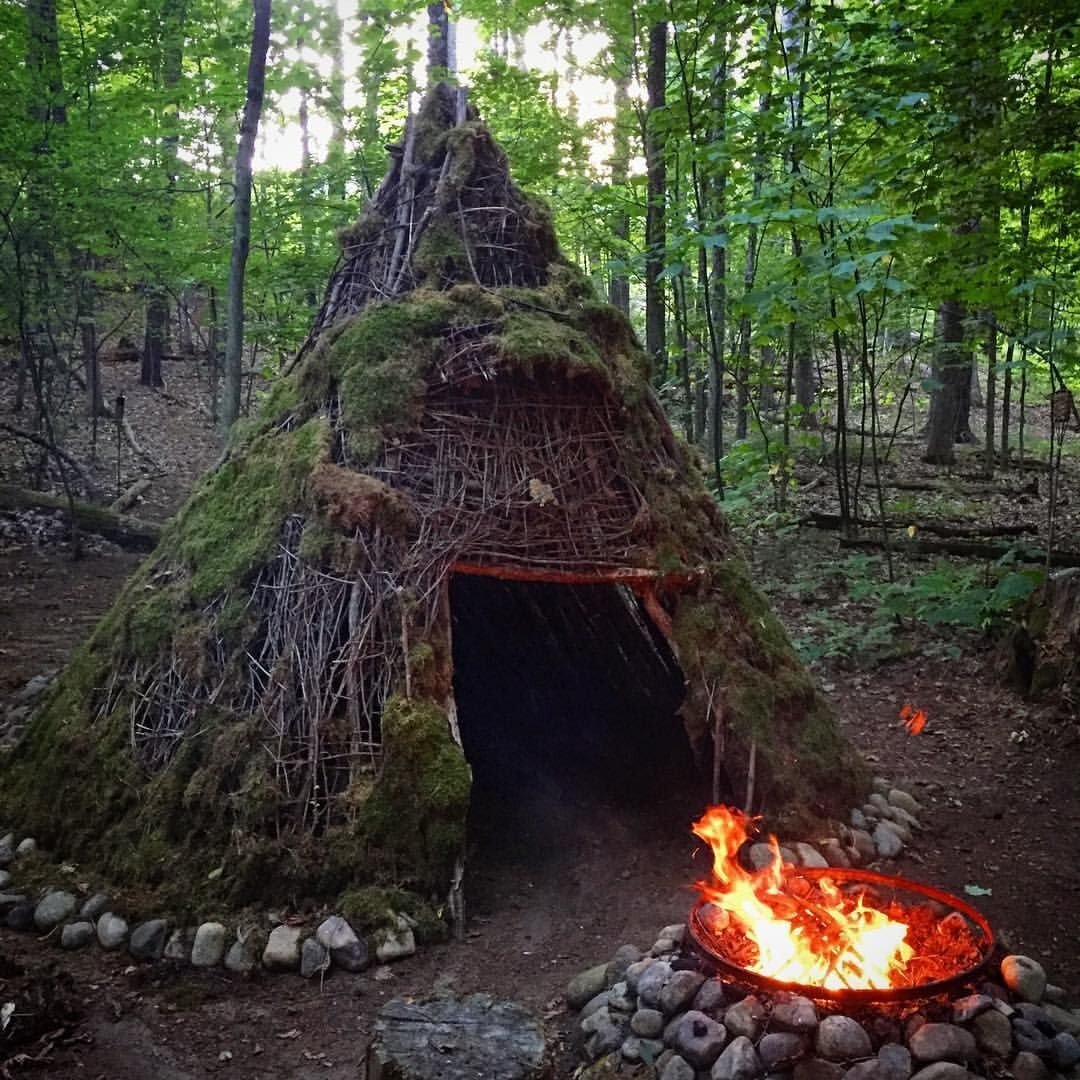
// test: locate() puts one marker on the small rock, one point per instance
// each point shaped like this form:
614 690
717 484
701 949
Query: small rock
739 1061
943 1070
942 1042
621 998
967 1008
652 981
148 940
863 843
348 951
606 1033
710 998
648 1023
880 786
901 830
94 907
76 935
1028 1066
5 879
26 847
794 1013
1024 977
1065 1051
697 1038
887 841
282 952
53 909
787 856
834 853
674 932
906 802
1063 1019
590 1006
1037 1016
761 856
625 955
808 855
1054 995
178 946
745 1017
631 1049
20 915
1028 1037
864 1070
7 854
680 991
636 969
314 958
208 949
397 942
243 954
909 821
677 1068
839 1038
858 820
894 1062
779 1050
993 1033
880 804
112 931
871 813
812 1068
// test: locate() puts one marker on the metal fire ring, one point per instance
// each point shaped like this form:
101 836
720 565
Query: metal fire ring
701 937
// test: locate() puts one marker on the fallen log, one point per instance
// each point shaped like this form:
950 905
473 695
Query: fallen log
820 520
968 548
127 532
130 497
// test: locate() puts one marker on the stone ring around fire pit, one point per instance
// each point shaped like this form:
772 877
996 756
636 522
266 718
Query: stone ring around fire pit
928 911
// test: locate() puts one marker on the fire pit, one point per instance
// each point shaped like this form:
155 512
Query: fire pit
836 934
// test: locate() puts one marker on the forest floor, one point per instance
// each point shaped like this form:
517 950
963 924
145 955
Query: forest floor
995 772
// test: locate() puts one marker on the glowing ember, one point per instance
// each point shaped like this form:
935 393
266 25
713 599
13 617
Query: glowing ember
819 937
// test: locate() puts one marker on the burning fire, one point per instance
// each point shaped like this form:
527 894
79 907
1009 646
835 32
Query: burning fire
815 936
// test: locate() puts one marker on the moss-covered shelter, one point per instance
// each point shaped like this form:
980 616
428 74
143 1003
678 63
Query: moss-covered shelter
458 538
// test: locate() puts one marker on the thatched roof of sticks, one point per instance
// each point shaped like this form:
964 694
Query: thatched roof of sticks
271 698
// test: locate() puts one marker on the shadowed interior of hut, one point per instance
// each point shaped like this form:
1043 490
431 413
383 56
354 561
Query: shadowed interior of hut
567 698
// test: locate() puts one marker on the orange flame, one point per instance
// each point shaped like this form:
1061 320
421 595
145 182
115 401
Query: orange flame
830 939
914 719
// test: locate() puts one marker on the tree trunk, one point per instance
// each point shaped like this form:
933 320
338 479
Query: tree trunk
335 105
655 228
991 388
950 403
43 63
174 15
439 52
619 281
718 270
249 126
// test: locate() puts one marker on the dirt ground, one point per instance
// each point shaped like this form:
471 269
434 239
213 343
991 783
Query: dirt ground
996 774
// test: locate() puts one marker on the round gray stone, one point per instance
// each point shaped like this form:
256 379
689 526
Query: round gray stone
761 856
1029 1066
590 1006
834 853
582 987
607 1033
710 998
894 1062
680 991
899 797
77 935
5 879
942 1042
347 950
839 1038
94 907
745 1017
243 955
26 846
399 941
314 958
1026 1036
1063 1019
779 1050
282 952
677 1068
148 940
965 1009
178 946
112 931
621 998
739 1061
858 819
1025 977
697 1038
652 981
809 856
813 1068
1065 1051
625 955
208 949
993 1033
53 909
792 1012
887 842
647 1023
943 1070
